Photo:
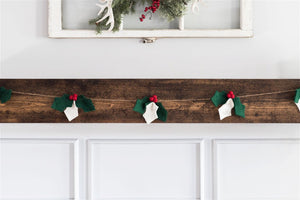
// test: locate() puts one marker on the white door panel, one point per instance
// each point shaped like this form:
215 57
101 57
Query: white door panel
257 169
36 169
138 169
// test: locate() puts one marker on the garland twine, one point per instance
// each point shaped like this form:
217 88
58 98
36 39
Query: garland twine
163 100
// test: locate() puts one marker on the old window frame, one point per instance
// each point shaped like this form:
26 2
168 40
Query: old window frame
55 29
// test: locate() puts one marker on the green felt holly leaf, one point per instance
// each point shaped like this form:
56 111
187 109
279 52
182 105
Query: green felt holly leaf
61 103
219 98
5 94
140 105
85 103
162 113
297 97
239 108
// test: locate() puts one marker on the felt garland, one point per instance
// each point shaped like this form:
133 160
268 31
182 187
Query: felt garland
69 104
5 94
297 98
148 106
151 109
228 102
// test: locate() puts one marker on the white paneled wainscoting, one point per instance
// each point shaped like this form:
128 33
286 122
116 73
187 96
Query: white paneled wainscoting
123 162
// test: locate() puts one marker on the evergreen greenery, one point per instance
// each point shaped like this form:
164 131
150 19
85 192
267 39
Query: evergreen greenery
169 9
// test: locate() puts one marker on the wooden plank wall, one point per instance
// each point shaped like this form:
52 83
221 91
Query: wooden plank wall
275 108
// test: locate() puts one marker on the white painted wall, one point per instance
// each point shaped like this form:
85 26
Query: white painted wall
161 161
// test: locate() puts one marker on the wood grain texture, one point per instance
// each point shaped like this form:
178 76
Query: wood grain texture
276 108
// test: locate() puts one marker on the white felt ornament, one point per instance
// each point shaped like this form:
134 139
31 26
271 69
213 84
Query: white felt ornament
151 113
225 110
298 105
71 112
106 5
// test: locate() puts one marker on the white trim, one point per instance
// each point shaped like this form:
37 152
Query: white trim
55 27
246 18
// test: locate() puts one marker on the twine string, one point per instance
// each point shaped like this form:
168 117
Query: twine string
129 100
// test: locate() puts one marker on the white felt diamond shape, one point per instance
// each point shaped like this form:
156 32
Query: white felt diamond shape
151 113
298 105
71 112
225 110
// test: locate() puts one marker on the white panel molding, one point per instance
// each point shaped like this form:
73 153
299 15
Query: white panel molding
74 166
90 143
214 147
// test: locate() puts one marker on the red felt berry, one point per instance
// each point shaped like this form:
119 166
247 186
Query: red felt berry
230 95
75 97
151 99
141 19
155 96
143 16
71 97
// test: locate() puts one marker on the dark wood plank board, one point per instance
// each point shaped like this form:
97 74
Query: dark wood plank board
275 108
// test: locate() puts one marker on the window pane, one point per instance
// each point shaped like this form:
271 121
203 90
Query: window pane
77 13
214 14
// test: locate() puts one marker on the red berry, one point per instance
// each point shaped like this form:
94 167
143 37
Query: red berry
230 95
141 19
143 16
155 96
151 99
71 97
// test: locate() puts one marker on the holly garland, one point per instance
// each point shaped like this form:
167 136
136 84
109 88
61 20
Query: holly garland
111 11
297 98
228 102
69 104
151 109
5 94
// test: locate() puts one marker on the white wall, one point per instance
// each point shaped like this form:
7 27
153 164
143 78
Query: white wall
213 161
272 53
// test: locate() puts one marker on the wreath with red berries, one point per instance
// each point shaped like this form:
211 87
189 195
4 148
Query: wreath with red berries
110 15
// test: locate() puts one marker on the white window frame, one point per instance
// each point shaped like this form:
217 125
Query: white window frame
55 29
